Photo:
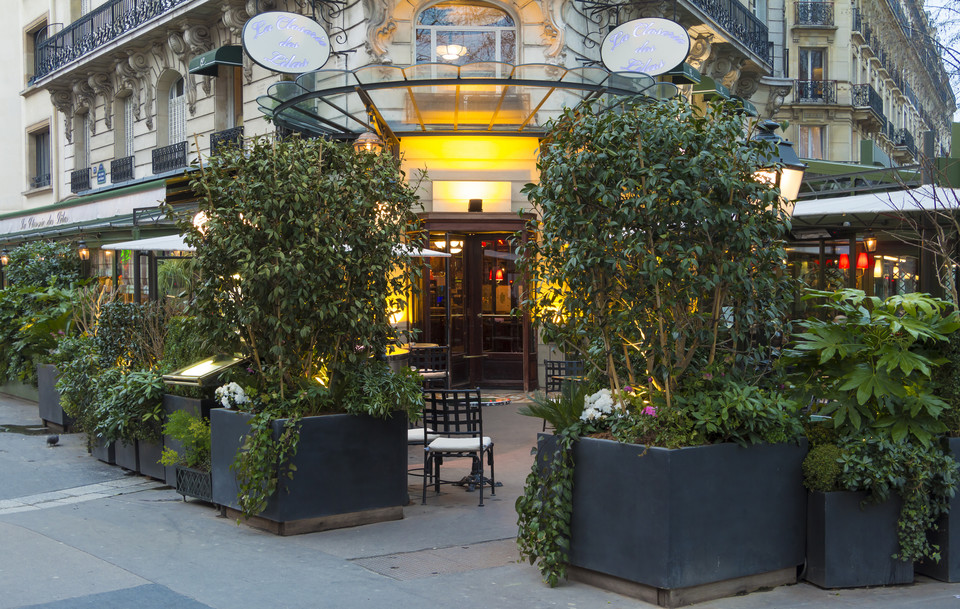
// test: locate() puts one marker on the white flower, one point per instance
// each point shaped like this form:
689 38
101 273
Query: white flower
597 405
231 395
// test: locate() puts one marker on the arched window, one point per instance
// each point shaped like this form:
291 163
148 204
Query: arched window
177 117
459 33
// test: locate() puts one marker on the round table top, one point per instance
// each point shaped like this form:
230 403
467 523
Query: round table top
494 401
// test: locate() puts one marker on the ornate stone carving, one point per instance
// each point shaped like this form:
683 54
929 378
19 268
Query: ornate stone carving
233 19
650 10
700 49
141 67
196 41
553 30
747 84
102 84
255 7
778 92
380 29
86 98
62 100
127 80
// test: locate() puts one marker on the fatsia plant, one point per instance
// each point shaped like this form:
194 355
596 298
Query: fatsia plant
659 252
869 365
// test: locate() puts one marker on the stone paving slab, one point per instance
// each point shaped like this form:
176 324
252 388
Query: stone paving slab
141 597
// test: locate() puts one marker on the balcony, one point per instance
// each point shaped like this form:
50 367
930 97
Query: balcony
169 158
40 181
815 91
813 14
95 29
80 180
223 139
864 96
740 23
121 170
902 138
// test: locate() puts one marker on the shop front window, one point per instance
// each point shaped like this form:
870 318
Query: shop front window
464 33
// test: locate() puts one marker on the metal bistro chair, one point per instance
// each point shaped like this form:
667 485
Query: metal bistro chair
559 372
456 417
431 364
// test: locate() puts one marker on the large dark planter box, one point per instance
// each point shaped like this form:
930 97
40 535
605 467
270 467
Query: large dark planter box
49 398
148 459
351 470
851 546
126 455
103 451
947 536
681 526
171 404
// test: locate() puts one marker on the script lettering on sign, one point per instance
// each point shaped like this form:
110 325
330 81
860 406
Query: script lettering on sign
286 42
645 46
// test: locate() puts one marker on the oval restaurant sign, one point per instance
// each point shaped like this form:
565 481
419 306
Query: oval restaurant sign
286 42
647 46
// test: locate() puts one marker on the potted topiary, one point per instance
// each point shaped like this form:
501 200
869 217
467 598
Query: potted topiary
189 454
297 254
658 263
868 365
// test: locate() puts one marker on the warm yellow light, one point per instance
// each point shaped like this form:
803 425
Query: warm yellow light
201 368
200 222
451 52
456 195
878 267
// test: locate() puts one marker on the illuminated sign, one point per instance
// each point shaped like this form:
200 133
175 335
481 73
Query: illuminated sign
645 46
286 42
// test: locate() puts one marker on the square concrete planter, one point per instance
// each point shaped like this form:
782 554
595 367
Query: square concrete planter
103 451
171 404
947 536
351 470
49 399
126 455
148 459
675 527
851 543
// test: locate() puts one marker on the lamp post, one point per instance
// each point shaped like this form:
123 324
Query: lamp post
4 261
783 168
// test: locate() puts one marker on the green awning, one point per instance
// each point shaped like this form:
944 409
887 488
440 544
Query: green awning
208 63
748 108
711 89
684 74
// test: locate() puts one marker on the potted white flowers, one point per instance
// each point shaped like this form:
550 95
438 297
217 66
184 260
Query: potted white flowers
231 396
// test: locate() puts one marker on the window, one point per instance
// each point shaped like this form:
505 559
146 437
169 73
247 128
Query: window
123 122
811 64
177 123
463 33
81 141
39 161
812 142
32 58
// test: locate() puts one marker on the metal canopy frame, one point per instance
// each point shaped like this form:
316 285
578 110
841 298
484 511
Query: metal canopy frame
294 105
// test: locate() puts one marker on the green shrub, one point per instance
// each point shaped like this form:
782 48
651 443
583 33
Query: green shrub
193 433
42 264
822 469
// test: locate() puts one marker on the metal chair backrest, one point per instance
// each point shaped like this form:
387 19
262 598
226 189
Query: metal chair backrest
559 370
429 358
453 413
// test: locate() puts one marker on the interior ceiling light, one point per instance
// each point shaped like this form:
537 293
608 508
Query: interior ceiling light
451 52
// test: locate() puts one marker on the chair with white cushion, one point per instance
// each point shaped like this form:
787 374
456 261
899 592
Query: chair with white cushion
456 417
431 364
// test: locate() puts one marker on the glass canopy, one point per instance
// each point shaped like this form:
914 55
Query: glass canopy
441 98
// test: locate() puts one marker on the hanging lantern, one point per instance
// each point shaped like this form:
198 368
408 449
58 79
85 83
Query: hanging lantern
844 263
878 267
862 260
4 258
499 274
83 250
368 141
870 243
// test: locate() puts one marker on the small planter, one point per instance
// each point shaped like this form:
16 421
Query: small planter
126 455
48 402
148 459
849 546
194 483
104 452
171 404
947 536
675 527
351 470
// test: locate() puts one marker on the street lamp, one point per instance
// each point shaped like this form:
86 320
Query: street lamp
4 257
83 250
368 141
783 169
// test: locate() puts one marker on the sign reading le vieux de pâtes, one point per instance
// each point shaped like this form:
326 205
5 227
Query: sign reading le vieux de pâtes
645 46
286 42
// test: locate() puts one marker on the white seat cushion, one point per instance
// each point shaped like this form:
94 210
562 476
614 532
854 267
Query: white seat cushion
415 434
459 444
432 374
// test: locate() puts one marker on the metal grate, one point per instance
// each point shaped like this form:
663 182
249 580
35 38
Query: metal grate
121 170
816 91
168 158
80 180
228 137
194 483
441 561
814 13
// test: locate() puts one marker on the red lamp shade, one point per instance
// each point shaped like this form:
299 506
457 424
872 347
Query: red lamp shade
844 262
862 261
499 274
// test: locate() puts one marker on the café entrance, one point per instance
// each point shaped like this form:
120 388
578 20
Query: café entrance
470 302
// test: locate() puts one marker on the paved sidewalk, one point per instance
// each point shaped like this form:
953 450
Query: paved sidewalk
77 533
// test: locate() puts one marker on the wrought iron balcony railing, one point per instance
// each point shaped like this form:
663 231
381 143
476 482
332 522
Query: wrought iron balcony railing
168 158
864 96
902 138
816 91
737 19
121 170
80 180
39 181
814 13
95 29
225 138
